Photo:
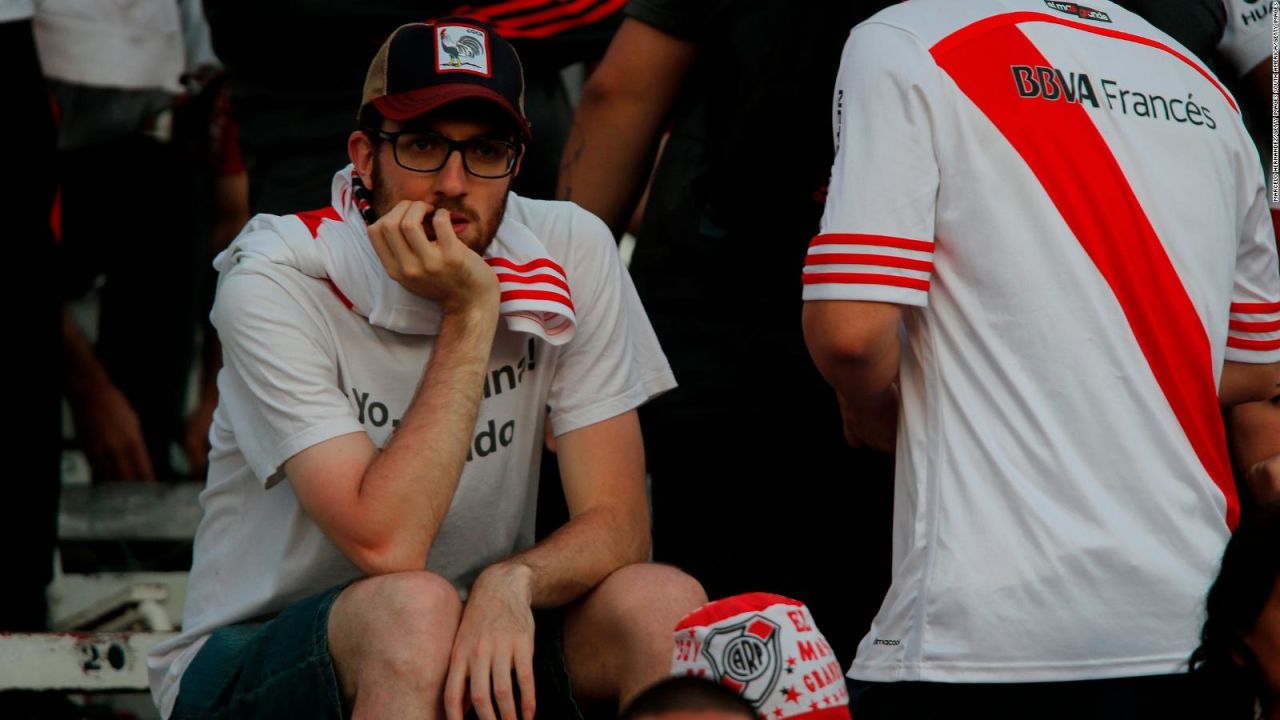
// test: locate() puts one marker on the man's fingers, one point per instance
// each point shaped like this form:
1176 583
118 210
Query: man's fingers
502 692
415 234
385 256
524 677
455 686
394 238
480 688
444 230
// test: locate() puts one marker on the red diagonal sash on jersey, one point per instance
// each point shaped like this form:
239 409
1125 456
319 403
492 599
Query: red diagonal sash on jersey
1063 148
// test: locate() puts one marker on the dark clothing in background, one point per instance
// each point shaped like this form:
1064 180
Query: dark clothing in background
29 494
1197 24
135 214
753 486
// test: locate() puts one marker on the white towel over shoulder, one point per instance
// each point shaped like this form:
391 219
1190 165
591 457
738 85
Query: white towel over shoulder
333 244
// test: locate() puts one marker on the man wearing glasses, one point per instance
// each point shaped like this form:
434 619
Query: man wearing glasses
391 365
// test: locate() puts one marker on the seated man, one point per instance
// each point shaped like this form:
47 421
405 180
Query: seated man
390 365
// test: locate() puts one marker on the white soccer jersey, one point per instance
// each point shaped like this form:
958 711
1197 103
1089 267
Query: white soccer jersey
1068 204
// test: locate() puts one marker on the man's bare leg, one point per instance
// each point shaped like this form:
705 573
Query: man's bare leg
618 639
390 638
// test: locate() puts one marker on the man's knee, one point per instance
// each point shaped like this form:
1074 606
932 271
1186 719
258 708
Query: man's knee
402 621
620 639
651 597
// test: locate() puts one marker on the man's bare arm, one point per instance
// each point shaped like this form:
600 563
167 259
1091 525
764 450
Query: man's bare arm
602 470
855 346
620 119
1246 382
1255 435
383 510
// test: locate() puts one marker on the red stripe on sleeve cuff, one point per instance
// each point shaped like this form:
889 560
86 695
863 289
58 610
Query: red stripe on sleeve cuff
865 279
1255 308
867 259
1261 345
876 240
1254 327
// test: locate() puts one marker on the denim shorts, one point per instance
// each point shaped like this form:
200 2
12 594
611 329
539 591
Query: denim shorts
281 668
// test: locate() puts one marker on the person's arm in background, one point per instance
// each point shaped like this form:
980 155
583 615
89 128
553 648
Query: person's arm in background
1255 431
856 349
106 424
620 119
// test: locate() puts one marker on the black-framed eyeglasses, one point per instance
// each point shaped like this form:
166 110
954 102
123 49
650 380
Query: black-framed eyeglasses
421 151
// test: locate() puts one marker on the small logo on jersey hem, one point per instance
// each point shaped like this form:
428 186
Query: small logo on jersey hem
1080 11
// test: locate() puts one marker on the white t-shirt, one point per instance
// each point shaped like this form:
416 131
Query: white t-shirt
1246 39
1068 206
301 368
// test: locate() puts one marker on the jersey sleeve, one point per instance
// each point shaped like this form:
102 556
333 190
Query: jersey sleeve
1253 335
279 383
614 362
1246 39
876 241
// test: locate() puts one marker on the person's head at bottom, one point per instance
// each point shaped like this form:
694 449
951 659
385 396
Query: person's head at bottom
1239 654
442 122
688 698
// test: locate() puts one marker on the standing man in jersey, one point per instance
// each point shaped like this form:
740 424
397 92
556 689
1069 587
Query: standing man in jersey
389 363
1046 261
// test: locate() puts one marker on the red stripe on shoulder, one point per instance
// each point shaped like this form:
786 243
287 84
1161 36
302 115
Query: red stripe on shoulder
313 218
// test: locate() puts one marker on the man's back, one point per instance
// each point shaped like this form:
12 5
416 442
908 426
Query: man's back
1070 202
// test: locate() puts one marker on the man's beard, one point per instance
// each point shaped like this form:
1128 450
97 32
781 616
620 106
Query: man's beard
486 229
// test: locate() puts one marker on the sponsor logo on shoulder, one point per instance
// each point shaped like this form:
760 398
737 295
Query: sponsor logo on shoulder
1080 11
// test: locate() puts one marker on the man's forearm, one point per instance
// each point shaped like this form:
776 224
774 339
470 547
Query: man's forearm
619 119
606 160
1255 446
406 491
855 346
577 556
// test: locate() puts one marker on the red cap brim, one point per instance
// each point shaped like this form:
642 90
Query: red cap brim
416 103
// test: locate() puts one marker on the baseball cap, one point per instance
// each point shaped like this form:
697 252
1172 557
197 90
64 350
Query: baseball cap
767 649
425 66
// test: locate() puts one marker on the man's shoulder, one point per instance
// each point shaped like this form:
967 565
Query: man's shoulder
533 212
565 229
257 282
